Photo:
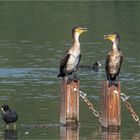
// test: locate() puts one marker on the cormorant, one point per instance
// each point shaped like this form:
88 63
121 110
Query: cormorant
9 116
96 66
71 59
114 58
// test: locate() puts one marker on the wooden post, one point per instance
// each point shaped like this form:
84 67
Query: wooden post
111 112
69 114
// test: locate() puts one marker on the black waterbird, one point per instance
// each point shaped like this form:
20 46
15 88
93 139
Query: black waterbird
96 66
9 116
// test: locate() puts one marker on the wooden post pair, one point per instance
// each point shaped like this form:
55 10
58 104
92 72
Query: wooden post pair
111 112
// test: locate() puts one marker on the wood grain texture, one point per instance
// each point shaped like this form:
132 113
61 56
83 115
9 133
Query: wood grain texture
111 111
69 102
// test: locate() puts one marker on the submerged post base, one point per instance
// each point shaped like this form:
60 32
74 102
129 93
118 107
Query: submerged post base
111 128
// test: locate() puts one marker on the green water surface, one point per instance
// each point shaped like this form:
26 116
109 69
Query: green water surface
33 37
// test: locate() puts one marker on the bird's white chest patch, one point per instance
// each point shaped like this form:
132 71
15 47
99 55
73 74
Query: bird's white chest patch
74 57
72 62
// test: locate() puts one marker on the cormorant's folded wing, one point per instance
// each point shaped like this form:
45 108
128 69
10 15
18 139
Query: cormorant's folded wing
107 63
64 60
121 60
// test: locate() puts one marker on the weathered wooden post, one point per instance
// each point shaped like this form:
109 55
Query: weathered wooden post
69 114
111 112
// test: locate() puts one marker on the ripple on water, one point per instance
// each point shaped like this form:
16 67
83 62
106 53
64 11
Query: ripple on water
4 98
20 75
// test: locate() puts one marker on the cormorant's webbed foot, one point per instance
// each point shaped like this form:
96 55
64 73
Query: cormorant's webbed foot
72 79
69 80
115 83
75 78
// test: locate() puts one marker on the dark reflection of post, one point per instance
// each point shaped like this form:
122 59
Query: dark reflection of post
10 134
136 136
110 135
69 133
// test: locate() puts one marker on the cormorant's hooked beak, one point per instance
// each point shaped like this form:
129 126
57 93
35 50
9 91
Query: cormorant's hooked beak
107 37
110 37
82 30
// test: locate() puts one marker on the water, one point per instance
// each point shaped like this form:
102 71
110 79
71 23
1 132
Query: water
33 37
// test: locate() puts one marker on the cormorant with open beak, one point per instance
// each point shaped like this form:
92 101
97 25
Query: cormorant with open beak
71 59
114 58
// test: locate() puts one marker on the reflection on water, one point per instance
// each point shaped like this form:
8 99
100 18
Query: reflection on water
69 133
136 136
110 136
10 134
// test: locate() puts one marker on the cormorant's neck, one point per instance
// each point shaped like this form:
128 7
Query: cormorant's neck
76 37
115 46
76 40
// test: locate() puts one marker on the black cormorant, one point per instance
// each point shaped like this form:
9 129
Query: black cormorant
114 58
71 59
9 116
